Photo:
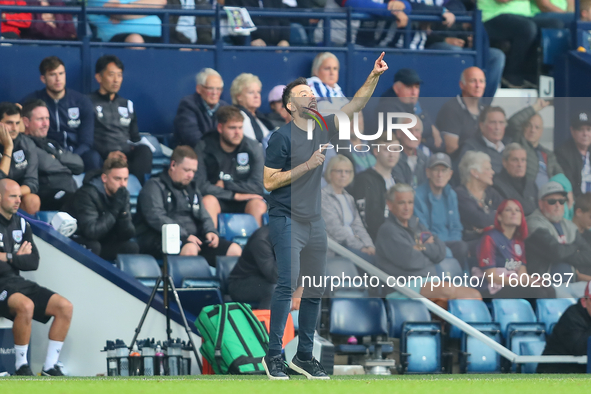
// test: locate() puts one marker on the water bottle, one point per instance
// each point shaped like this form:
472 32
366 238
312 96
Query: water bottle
112 369
159 361
122 353
135 363
174 354
186 363
148 353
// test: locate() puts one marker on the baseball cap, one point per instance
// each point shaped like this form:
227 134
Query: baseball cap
439 159
276 93
588 290
550 188
580 118
408 76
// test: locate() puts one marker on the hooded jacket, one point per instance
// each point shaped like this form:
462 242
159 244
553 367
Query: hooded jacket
56 165
92 209
162 202
24 164
395 252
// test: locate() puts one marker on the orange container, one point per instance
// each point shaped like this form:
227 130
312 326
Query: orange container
264 315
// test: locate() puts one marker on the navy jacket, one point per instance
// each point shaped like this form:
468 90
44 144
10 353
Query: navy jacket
192 121
71 119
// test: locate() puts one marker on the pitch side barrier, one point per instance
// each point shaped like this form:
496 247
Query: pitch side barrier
445 315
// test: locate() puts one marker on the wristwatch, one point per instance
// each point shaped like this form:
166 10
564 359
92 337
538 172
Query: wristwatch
9 257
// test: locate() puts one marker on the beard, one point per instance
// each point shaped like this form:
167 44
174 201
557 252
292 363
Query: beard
229 142
554 218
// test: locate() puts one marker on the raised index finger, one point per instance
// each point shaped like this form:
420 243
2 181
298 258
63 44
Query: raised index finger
381 57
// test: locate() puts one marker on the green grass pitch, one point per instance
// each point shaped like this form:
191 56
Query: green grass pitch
441 384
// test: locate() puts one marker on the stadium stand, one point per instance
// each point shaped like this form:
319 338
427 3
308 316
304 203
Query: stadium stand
548 311
143 267
236 227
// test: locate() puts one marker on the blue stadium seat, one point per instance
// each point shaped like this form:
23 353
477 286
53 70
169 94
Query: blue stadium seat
159 160
133 187
339 267
143 267
237 227
225 265
549 311
420 348
476 357
46 216
357 317
470 311
401 311
555 42
532 348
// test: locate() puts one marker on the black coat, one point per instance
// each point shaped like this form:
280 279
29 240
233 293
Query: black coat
369 193
570 160
56 165
96 220
509 188
569 338
24 164
192 121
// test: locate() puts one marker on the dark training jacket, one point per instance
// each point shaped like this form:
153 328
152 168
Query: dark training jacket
56 165
13 233
24 164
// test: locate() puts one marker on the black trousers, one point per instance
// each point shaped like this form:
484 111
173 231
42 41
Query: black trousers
109 250
254 289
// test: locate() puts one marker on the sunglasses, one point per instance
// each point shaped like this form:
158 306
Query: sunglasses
553 201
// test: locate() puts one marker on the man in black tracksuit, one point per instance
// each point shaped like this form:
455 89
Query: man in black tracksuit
115 121
22 300
101 207
171 198
19 160
56 165
569 337
233 163
71 116
370 187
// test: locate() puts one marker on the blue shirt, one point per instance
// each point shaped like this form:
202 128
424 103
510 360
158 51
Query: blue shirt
149 25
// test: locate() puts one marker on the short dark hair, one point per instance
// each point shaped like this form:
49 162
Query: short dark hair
487 110
9 109
180 152
228 113
287 91
49 64
104 61
30 106
113 163
583 202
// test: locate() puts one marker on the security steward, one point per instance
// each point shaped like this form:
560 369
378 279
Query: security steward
171 198
19 160
115 121
56 164
22 300
234 163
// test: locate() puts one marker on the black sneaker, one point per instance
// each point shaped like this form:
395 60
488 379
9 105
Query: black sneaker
55 371
275 367
311 369
24 370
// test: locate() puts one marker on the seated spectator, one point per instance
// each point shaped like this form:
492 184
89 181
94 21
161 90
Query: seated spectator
71 116
234 163
101 207
370 187
127 28
511 21
570 199
526 128
279 115
343 223
196 113
404 247
489 139
555 244
11 25
554 9
436 206
582 216
270 31
501 256
171 198
477 198
569 337
410 169
573 155
404 97
246 95
56 164
254 276
585 8
115 120
19 157
48 26
457 119
511 182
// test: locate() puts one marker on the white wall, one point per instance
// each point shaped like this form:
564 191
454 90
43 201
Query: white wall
102 311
